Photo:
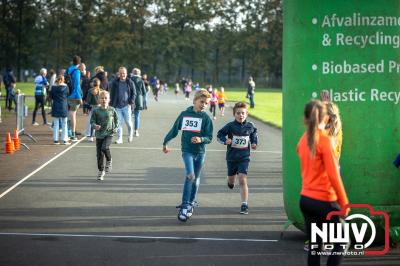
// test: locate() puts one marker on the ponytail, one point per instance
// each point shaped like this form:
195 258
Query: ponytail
314 113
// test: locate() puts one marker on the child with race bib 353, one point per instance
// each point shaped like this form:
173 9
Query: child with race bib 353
197 128
239 136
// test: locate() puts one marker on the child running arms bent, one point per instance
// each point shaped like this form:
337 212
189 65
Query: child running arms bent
105 121
197 130
239 135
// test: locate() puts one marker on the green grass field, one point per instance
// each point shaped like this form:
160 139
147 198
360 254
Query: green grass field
268 103
28 89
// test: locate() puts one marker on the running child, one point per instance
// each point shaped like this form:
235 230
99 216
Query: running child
105 121
197 130
213 103
221 101
177 89
239 136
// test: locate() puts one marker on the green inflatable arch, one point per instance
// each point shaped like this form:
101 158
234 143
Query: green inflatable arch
352 49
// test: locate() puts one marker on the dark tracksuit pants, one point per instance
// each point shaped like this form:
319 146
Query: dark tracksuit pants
39 101
315 211
103 149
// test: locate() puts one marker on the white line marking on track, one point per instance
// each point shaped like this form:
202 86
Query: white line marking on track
172 149
38 169
141 237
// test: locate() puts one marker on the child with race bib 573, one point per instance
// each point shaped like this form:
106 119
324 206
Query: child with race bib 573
197 128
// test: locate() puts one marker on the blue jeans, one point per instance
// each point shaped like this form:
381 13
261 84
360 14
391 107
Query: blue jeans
124 114
251 98
60 122
136 114
193 164
145 100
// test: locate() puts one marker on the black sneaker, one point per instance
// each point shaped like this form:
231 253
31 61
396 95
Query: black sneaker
74 139
56 143
231 186
244 209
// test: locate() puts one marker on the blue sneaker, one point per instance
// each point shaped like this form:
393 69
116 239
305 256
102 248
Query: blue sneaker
182 215
244 209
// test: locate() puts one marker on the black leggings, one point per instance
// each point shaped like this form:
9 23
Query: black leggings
212 109
103 149
315 211
39 101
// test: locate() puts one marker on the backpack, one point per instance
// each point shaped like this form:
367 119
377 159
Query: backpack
68 79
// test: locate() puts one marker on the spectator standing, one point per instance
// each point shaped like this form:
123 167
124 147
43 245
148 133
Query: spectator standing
93 101
123 94
9 85
250 91
140 94
147 88
59 110
102 76
40 96
85 86
75 96
322 188
52 81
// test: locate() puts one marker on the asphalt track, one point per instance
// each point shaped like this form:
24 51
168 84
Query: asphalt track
61 215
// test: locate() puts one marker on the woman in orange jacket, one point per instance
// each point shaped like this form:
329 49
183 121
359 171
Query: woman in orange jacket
322 188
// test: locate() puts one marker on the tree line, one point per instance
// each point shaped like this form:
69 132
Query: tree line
218 41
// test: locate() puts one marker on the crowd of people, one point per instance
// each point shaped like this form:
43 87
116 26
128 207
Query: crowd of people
109 103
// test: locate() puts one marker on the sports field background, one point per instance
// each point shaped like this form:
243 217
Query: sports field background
268 101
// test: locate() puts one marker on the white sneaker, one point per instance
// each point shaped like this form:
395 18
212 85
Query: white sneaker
130 139
189 211
118 142
91 139
136 133
35 124
100 175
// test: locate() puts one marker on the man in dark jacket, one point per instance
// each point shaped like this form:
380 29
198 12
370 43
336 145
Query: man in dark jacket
9 84
123 95
140 94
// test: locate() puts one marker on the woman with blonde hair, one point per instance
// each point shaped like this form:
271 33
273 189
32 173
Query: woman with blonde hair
322 188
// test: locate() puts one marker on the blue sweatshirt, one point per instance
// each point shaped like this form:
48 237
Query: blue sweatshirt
75 92
192 124
40 85
242 135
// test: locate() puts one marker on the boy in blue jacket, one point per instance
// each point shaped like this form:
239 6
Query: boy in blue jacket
197 130
239 135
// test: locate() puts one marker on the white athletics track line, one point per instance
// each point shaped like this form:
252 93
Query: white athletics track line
116 236
140 237
171 149
40 168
